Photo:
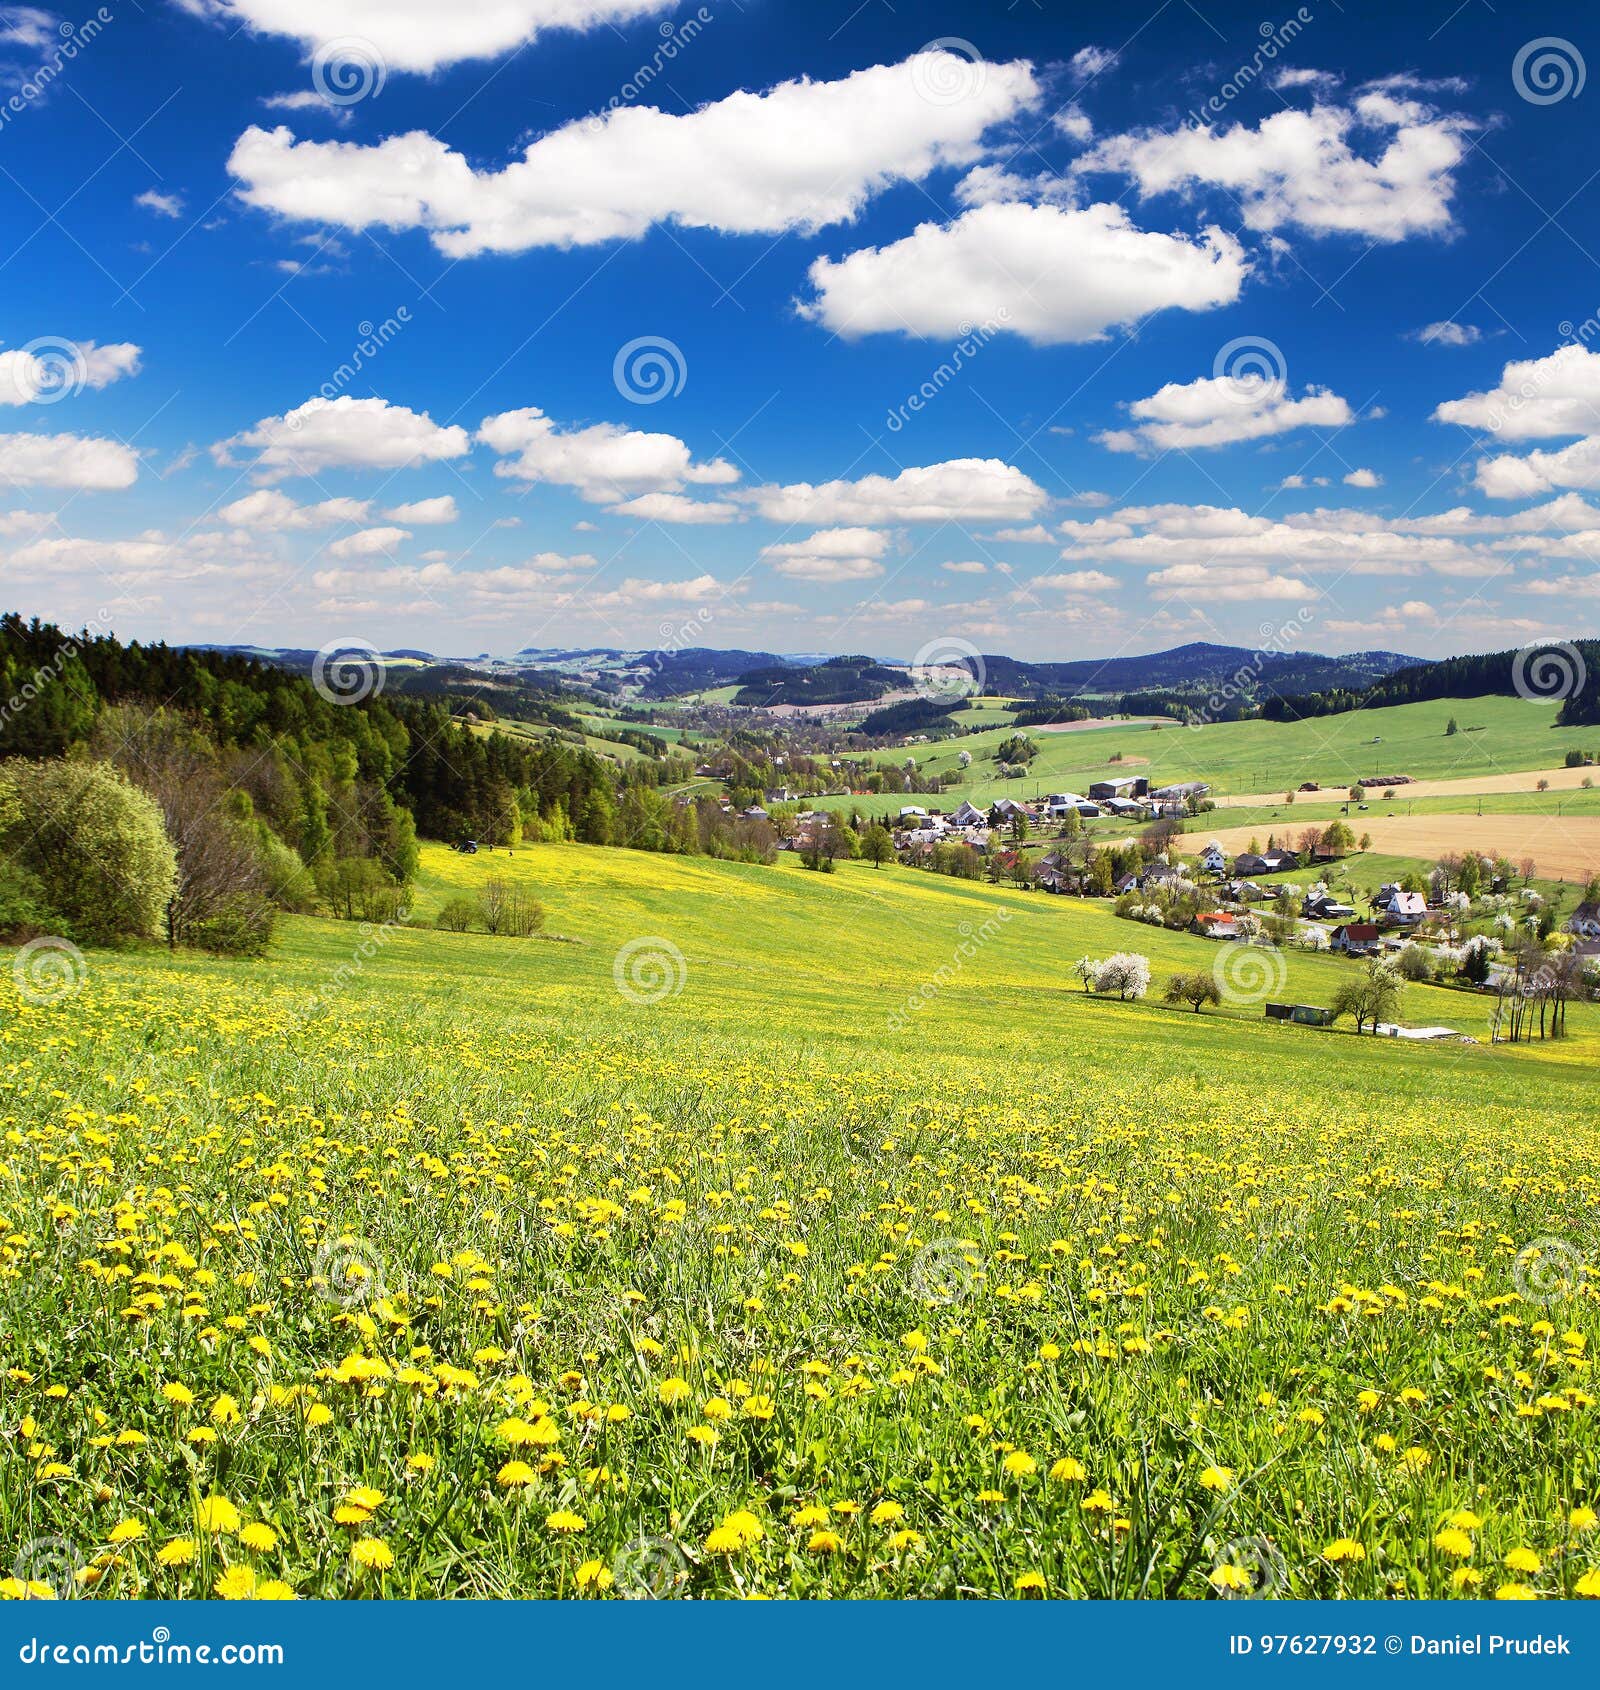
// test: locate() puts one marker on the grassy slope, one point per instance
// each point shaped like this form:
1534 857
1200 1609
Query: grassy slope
839 952
1162 1215
1266 756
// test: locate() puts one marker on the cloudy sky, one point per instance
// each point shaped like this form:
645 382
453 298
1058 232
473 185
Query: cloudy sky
806 325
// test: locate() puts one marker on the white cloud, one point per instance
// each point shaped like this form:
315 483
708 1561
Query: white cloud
27 27
1459 543
370 542
1319 81
604 462
66 460
1228 584
1219 410
426 513
831 554
1535 398
307 99
422 35
1506 477
1047 273
1309 169
1034 535
798 157
959 490
1363 478
970 566
699 589
1449 334
65 366
344 433
163 205
1077 581
268 508
675 507
13 523
1092 61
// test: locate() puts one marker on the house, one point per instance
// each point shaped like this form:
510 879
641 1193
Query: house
1004 810
755 814
1216 924
908 810
1247 892
1123 786
1323 908
1129 807
967 814
1405 907
781 795
1213 860
1058 803
1356 938
1278 860
1585 921
1249 862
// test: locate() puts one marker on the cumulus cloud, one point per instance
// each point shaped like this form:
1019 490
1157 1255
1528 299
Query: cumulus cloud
422 35
1048 273
970 566
66 460
1227 584
831 554
1449 334
1459 543
676 507
1535 398
1077 581
1219 410
798 157
1380 167
27 375
163 205
958 490
269 508
370 542
343 433
1089 62
426 513
605 463
1363 478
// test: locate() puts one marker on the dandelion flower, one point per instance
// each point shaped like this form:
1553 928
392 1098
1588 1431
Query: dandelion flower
564 1520
1029 1584
1344 1549
237 1584
372 1553
1216 1478
178 1553
218 1516
259 1537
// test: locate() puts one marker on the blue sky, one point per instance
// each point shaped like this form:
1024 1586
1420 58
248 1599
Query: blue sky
1060 331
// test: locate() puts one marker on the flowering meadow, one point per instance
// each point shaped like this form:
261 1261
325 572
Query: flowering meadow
423 1264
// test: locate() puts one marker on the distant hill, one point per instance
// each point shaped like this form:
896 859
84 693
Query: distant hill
1195 668
838 680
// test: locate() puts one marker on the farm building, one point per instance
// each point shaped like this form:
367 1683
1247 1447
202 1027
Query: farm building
1123 786
1357 938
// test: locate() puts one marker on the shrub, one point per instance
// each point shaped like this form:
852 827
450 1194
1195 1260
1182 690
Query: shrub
457 915
94 843
24 909
505 908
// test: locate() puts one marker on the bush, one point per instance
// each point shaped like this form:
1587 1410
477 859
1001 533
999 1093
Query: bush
94 843
457 915
234 924
504 908
25 912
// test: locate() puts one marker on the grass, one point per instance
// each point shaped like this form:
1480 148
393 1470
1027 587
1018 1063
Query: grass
1260 756
464 1271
